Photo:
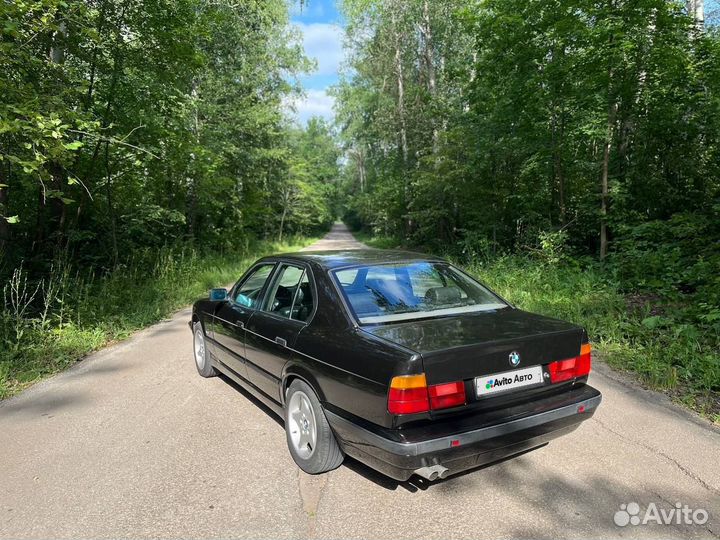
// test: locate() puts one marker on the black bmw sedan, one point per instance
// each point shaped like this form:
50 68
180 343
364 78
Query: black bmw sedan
397 359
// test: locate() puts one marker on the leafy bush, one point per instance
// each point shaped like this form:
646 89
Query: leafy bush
673 256
668 345
50 323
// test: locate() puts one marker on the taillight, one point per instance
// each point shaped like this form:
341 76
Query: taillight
564 370
584 361
410 394
443 396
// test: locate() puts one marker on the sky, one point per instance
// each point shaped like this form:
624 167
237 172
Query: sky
321 27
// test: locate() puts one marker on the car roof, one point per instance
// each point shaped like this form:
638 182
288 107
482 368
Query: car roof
332 259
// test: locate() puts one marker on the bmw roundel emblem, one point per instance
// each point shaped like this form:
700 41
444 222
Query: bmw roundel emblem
514 359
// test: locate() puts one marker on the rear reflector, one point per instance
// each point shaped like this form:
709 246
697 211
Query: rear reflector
443 396
564 370
410 394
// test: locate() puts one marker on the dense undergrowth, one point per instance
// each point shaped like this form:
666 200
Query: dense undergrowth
670 340
49 324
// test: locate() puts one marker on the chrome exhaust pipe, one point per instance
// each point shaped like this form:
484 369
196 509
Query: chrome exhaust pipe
432 473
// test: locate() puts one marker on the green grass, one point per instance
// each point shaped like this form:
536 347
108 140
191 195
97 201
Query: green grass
664 343
49 325
377 242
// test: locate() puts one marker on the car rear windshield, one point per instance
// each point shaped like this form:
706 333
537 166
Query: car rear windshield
399 292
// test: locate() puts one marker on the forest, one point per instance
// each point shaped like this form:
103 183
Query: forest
145 155
566 152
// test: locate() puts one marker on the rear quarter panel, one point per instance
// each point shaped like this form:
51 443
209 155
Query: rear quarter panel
348 368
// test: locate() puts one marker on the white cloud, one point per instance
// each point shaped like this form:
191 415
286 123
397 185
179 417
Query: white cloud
314 103
323 42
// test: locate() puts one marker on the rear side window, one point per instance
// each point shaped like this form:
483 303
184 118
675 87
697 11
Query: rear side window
304 301
399 292
291 295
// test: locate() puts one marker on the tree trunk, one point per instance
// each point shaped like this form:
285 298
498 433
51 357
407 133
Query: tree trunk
111 205
400 84
401 106
57 51
359 154
396 8
282 221
557 182
117 69
93 61
57 172
39 220
696 10
191 211
428 59
58 182
612 111
192 193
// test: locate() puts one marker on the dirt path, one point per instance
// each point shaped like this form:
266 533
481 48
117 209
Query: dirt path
339 237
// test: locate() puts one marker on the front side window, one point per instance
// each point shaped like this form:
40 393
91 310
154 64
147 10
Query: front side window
291 295
248 292
400 292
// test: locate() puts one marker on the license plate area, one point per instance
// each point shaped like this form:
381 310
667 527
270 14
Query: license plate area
508 381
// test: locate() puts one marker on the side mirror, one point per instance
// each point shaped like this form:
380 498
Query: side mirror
218 294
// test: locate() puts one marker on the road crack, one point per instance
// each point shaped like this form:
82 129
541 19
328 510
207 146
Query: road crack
311 489
685 471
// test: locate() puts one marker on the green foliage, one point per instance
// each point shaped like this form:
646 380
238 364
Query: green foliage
308 193
510 133
377 242
673 256
553 246
487 121
128 124
134 137
672 349
49 324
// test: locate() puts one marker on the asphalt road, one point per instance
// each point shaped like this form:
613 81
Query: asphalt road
131 442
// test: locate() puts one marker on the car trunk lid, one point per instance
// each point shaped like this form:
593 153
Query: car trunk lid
473 345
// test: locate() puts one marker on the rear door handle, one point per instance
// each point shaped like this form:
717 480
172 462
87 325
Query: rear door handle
280 341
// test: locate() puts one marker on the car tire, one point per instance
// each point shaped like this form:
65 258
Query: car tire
310 439
203 363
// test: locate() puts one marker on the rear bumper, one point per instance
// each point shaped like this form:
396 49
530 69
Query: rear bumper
399 453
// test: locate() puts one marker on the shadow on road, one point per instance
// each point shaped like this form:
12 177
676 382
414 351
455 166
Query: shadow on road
581 500
412 485
259 404
47 404
543 499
